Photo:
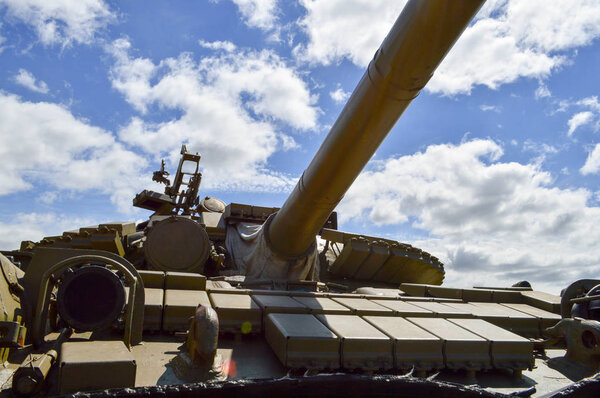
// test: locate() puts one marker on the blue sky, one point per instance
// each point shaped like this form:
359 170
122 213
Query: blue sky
493 168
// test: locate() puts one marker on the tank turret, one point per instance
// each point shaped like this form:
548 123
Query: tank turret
186 235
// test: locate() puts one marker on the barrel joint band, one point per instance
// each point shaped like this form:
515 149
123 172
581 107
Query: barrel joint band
316 203
389 88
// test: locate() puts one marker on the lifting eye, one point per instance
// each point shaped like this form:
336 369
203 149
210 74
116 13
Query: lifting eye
589 340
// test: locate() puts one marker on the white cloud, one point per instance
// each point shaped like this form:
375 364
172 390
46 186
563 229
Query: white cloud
2 40
578 120
564 25
541 150
488 54
218 45
35 226
592 163
61 21
562 106
542 91
26 79
487 108
231 105
591 103
588 113
55 148
131 76
48 197
339 95
350 29
288 143
509 39
490 222
258 13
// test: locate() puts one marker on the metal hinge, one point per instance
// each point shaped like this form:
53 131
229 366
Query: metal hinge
12 334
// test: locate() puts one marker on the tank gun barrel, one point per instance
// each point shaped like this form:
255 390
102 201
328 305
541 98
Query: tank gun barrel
420 38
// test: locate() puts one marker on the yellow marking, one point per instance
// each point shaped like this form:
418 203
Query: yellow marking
246 327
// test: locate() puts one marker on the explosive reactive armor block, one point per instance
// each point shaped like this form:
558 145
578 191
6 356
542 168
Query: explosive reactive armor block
499 315
413 346
462 349
444 311
507 350
237 313
323 305
153 279
363 346
185 281
301 341
545 301
95 365
404 309
361 306
286 304
547 319
153 308
180 305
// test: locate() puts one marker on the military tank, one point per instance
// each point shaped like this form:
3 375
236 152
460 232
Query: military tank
213 299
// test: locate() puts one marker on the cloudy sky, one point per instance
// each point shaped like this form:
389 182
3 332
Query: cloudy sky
493 168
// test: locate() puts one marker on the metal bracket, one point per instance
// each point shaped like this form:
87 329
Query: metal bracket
12 334
134 314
